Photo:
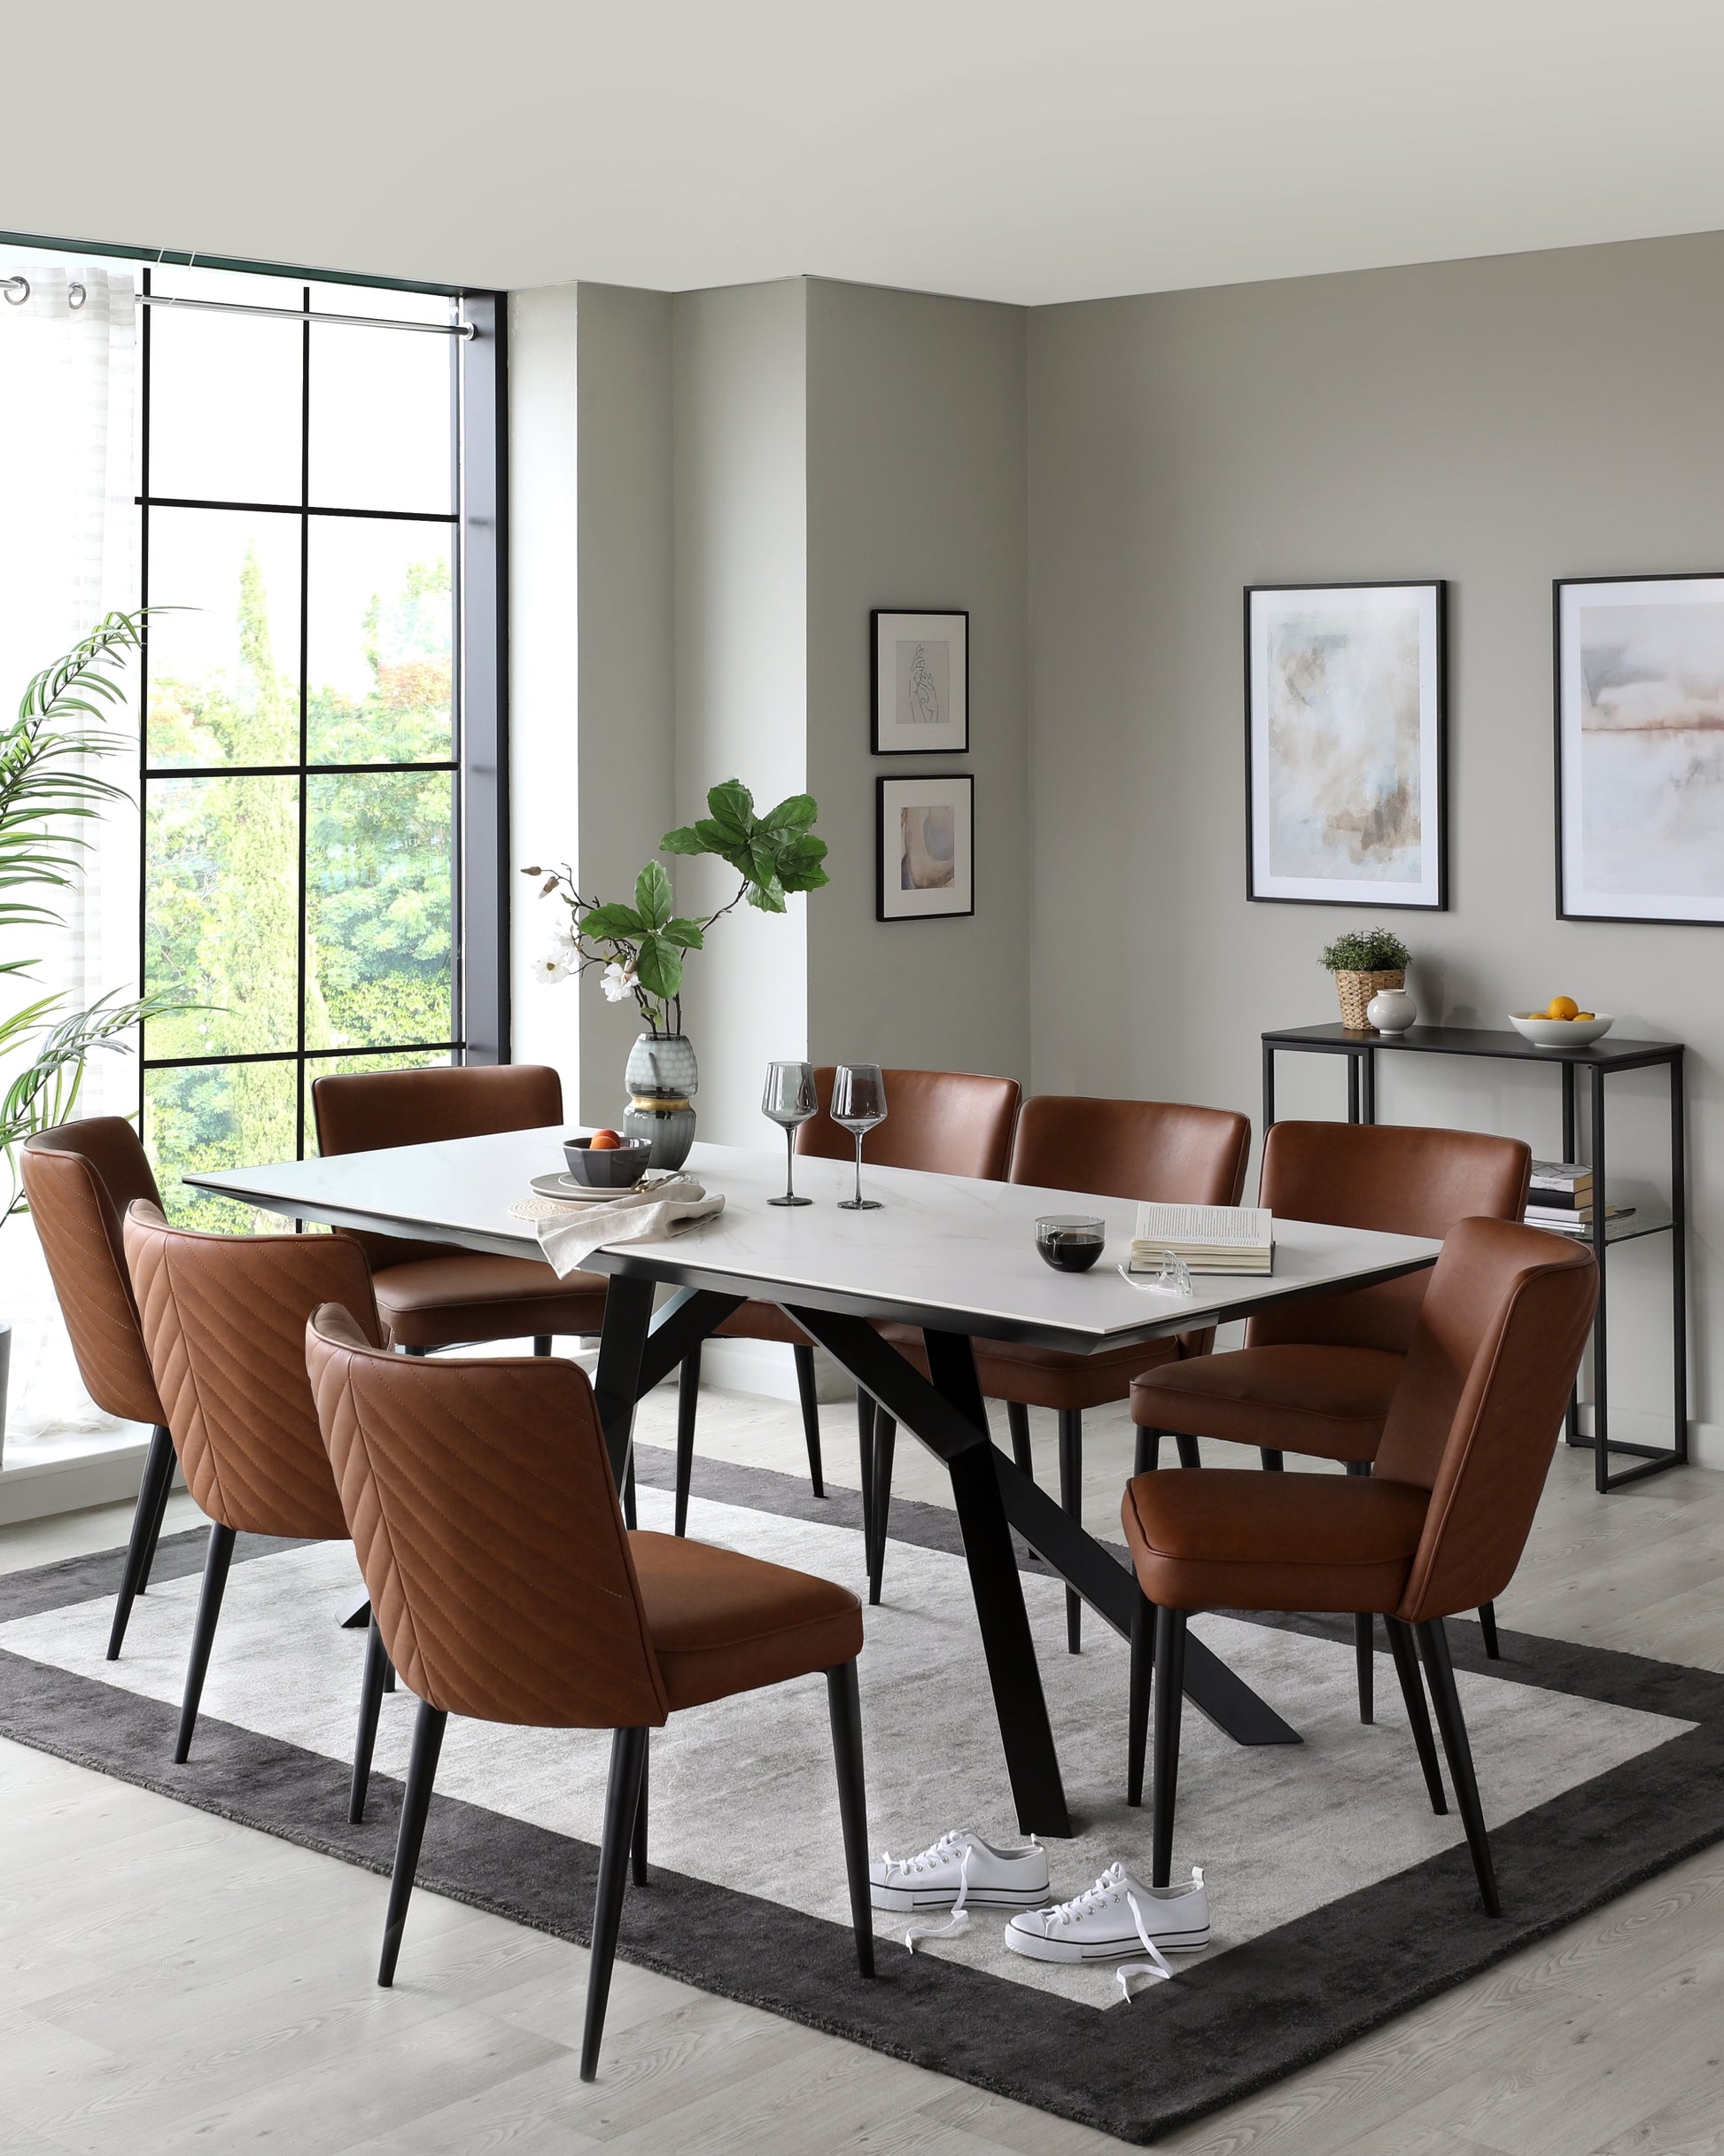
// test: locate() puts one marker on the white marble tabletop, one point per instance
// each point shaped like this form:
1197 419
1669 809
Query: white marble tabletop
942 1251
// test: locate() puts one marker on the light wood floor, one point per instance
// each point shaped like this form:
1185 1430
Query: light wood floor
169 1981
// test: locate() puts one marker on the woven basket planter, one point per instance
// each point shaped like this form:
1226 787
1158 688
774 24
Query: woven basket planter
1355 991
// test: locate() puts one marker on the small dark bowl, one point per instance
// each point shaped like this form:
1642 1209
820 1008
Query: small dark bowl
1071 1242
611 1167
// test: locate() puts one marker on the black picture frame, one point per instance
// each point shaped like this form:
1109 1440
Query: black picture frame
1434 763
892 903
886 734
1566 771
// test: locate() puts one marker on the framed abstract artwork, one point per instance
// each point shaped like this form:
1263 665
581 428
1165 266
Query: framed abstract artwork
926 847
1640 748
921 683
1346 750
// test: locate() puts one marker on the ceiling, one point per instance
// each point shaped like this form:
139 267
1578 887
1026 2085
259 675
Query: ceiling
1013 151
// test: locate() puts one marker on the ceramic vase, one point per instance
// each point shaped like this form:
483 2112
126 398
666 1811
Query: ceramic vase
662 1078
1391 1010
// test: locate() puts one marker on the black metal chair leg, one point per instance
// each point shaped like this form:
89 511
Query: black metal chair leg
541 1343
802 1355
371 1703
217 1559
159 1515
1071 1503
1273 1463
1365 1637
689 1406
1487 1625
628 1764
1412 1693
865 1446
1147 1458
638 1840
146 1527
846 1705
415 1802
1168 1698
1017 1422
629 1518
1143 1652
1187 1450
886 1445
1451 1726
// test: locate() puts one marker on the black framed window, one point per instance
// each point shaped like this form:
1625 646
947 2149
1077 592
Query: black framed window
322 771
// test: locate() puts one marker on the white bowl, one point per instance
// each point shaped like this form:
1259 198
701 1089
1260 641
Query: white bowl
1559 1032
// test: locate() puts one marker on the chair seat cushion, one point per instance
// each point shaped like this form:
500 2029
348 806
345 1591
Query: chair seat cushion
1234 1538
722 1623
1329 1401
442 1302
1044 1377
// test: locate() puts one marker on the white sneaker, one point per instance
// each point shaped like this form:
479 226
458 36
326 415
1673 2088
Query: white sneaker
957 1870
1116 1917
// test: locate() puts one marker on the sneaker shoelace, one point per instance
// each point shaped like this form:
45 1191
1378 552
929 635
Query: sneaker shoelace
1113 1887
936 1854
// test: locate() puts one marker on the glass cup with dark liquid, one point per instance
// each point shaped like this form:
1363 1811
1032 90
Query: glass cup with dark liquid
1070 1243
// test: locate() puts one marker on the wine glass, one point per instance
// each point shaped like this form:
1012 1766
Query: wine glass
790 1100
859 1102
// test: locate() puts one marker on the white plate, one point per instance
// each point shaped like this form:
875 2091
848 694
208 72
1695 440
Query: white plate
563 1185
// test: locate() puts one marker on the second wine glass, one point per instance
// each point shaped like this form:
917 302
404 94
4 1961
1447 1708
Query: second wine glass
790 1100
859 1104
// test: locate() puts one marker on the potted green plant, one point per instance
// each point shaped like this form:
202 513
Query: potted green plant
639 951
45 791
1363 962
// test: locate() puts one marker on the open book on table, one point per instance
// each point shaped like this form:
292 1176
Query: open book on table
1207 1238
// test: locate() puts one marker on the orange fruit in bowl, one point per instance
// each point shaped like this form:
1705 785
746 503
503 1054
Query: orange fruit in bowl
1562 1006
603 1141
1586 1014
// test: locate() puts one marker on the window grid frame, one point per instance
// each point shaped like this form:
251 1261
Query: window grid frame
304 771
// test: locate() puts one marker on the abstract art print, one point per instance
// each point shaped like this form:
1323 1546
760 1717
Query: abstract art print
921 683
1640 748
1345 755
927 845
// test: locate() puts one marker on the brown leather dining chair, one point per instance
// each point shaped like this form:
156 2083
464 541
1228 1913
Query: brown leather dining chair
469 1486
1317 1375
941 1122
224 1320
1439 1527
78 1178
431 1294
1144 1149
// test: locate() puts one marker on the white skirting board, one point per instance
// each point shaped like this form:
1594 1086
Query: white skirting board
765 1366
109 1478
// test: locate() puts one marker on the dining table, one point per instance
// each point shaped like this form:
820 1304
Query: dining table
950 1255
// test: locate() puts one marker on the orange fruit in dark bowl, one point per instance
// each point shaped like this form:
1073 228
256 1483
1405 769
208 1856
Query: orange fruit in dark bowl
605 1141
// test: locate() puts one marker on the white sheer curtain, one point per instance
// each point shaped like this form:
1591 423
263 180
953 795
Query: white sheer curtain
69 526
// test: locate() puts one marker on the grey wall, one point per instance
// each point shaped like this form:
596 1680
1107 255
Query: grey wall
1497 423
916 498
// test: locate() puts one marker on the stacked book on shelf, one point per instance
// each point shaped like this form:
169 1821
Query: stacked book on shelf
1205 1238
1561 1196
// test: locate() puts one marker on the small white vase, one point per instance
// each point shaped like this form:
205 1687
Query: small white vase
1391 1010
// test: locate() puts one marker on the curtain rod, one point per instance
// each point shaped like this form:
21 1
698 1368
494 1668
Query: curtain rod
18 291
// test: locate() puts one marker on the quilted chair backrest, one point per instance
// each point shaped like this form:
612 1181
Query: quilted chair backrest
1156 1149
79 1180
224 1320
485 1522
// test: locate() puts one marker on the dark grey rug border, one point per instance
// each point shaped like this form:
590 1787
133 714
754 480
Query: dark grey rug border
1226 2029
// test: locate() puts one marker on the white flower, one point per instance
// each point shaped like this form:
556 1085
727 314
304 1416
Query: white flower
618 981
550 967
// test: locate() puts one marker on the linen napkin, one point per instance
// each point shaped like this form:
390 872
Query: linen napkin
568 1239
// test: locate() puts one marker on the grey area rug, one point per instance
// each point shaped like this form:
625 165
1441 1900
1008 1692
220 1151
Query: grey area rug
1340 1901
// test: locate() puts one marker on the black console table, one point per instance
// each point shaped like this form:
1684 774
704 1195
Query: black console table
1598 1062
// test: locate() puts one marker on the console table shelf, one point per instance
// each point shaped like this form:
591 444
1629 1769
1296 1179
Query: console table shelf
1653 1214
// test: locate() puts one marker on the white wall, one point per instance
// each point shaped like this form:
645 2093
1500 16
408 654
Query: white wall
1497 423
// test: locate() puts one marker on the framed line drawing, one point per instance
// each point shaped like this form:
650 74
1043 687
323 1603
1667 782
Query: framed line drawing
925 847
920 675
1346 744
1640 748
